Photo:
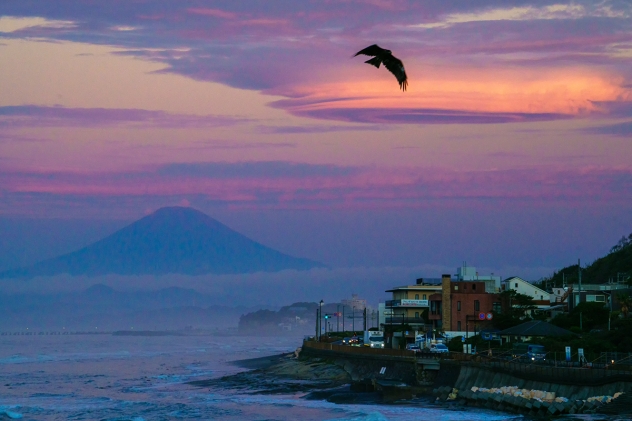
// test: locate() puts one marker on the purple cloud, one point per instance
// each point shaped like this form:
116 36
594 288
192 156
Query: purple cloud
315 129
418 115
278 47
39 116
261 39
263 170
288 185
619 129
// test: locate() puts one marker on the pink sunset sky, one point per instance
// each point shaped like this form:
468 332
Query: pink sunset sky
511 148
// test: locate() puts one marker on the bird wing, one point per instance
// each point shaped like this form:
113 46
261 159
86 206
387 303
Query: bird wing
396 67
371 50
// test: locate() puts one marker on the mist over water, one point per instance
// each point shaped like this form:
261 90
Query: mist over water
86 377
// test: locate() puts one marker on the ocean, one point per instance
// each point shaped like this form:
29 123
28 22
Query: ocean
136 378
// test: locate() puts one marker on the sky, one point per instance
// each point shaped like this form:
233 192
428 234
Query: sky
511 148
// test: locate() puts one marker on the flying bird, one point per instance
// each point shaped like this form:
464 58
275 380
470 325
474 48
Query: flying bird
392 63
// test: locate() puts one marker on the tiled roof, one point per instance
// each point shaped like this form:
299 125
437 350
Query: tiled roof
536 328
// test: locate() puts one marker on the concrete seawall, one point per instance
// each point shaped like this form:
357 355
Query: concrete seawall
363 364
471 376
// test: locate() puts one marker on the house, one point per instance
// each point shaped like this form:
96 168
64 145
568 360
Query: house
600 293
525 332
541 298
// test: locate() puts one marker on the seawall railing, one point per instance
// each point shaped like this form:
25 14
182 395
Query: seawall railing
359 350
548 372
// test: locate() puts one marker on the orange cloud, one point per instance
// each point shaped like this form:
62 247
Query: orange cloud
511 90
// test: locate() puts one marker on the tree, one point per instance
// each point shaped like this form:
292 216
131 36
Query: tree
626 303
515 309
623 243
592 315
516 304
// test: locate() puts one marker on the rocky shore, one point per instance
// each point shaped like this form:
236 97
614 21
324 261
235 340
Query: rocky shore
336 380
284 373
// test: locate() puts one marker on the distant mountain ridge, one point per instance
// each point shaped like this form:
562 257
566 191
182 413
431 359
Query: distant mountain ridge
174 240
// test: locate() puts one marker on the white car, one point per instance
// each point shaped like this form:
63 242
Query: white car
413 347
439 348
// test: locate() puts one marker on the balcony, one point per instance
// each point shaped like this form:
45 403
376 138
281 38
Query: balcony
398 320
406 303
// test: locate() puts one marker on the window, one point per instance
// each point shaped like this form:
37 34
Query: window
433 307
477 305
424 296
474 287
416 296
516 284
458 326
456 287
542 297
416 315
458 306
464 287
496 308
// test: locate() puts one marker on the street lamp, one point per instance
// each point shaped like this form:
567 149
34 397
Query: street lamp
320 317
609 305
353 319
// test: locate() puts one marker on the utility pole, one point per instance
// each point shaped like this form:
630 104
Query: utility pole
320 316
343 318
353 319
579 271
364 319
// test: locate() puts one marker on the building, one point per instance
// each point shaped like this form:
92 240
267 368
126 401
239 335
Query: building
534 329
466 306
469 273
541 298
409 303
594 293
355 302
458 306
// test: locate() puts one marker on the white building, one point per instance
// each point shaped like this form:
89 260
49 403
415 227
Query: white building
469 273
541 298
359 304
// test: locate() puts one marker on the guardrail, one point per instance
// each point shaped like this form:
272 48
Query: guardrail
551 371
359 350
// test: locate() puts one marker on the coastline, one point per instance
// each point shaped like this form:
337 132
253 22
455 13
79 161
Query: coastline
346 381
260 363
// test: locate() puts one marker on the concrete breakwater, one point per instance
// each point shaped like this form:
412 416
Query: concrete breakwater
478 386
535 403
476 376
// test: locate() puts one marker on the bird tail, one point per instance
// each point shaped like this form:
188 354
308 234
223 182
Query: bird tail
375 61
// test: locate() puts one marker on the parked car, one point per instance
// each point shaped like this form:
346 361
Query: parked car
346 340
527 351
439 348
413 347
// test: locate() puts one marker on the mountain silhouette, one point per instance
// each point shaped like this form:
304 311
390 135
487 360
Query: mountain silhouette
171 240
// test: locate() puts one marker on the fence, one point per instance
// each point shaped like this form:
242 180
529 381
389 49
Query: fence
588 374
359 350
